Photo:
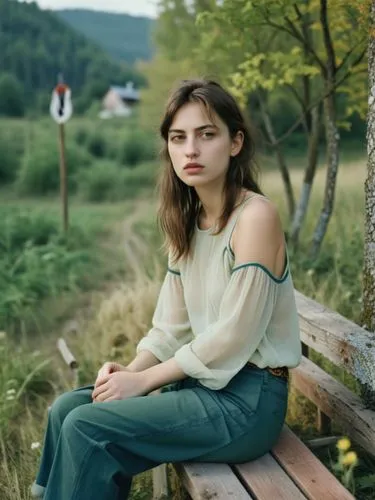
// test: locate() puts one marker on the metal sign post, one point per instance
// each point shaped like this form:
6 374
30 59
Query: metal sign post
61 110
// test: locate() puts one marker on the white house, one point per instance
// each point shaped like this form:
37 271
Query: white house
119 101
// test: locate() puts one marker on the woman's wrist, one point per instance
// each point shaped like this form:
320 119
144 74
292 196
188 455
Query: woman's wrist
143 361
162 374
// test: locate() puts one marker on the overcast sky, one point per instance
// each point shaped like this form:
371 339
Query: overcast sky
135 7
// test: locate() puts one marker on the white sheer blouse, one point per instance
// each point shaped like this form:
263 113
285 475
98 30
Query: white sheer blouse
214 317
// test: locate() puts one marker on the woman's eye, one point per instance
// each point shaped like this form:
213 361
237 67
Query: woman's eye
207 135
177 138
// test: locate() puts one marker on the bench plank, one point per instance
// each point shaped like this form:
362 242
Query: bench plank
311 476
206 481
266 480
338 339
335 400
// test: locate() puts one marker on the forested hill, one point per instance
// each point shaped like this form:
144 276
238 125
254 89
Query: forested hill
124 37
35 45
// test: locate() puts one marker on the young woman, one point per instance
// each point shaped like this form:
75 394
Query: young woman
225 328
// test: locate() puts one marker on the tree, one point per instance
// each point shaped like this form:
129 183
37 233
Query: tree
11 96
368 313
318 46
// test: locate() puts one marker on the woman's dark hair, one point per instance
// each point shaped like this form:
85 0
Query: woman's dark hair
179 204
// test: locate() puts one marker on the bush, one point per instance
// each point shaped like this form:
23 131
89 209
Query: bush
97 145
37 261
40 171
9 161
12 100
100 183
81 136
108 182
137 147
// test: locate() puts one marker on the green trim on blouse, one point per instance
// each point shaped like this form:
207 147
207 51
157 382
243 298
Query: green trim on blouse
177 273
272 276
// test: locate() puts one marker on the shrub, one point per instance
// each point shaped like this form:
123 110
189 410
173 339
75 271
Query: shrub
100 183
97 145
81 136
137 147
141 177
37 261
12 99
108 182
40 171
9 161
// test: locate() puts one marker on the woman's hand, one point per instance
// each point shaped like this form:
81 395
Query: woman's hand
106 369
120 385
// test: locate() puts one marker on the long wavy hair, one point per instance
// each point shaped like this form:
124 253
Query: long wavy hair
179 203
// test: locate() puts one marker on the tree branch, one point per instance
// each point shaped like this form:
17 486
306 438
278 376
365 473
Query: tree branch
293 32
350 52
314 103
331 58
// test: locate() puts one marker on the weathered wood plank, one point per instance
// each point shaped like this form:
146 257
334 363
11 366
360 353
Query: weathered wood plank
206 481
311 476
341 404
159 482
265 479
338 339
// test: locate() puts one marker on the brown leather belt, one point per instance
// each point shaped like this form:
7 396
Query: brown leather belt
282 371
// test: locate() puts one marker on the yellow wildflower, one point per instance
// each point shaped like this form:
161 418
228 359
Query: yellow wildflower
350 458
343 444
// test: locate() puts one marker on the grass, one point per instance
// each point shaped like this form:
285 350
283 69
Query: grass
42 270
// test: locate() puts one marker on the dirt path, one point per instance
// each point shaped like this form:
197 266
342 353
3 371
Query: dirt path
137 252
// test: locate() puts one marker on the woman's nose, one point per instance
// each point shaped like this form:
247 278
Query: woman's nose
191 148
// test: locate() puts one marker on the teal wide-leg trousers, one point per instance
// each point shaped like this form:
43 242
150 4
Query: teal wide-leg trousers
92 450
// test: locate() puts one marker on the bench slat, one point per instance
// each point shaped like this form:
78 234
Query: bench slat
267 480
338 402
337 338
205 481
312 477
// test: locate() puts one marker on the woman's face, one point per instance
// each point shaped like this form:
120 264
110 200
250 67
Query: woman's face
199 148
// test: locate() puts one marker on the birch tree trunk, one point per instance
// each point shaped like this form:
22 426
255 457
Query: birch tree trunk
280 157
368 312
332 133
312 160
332 138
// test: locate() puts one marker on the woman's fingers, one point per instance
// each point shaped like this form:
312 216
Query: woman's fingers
104 396
102 387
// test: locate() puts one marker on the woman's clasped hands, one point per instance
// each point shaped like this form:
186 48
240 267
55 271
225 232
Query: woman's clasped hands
116 382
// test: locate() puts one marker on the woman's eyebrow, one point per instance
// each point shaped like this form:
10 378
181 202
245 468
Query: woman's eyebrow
198 129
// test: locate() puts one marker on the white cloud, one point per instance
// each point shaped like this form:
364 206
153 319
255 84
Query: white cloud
140 7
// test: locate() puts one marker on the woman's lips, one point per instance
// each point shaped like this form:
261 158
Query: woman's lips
193 168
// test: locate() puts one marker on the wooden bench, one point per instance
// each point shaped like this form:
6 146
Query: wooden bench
291 471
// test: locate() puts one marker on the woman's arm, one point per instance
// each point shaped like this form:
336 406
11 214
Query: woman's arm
142 361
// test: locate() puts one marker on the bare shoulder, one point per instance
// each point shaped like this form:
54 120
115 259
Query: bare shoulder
258 235
259 211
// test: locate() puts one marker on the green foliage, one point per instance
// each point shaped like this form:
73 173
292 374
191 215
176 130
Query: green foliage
100 183
137 147
23 377
124 37
9 161
108 182
97 145
30 243
40 174
12 102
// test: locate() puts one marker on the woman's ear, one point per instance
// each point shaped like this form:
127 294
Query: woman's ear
237 143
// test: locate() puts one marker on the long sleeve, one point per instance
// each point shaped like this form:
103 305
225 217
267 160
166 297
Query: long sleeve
219 352
170 324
